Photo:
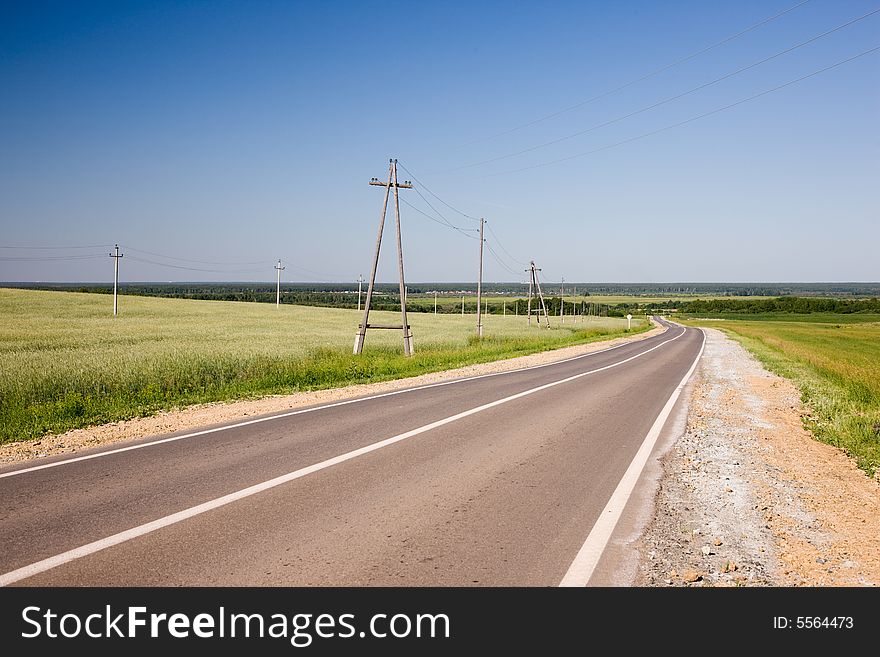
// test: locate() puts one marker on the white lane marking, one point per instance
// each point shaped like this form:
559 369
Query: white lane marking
581 569
312 409
104 543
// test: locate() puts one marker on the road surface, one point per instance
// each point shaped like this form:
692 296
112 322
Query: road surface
492 480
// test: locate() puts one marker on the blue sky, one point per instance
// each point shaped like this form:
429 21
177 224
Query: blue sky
241 132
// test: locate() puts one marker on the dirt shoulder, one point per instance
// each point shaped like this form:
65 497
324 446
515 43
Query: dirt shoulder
748 497
202 415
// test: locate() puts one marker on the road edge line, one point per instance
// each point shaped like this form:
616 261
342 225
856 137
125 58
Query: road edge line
581 569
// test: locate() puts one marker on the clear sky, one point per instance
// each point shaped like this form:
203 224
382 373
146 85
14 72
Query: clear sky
244 132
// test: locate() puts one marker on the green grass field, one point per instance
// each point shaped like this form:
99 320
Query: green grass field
67 363
835 362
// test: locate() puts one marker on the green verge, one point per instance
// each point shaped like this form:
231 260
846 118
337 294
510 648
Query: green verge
836 367
66 372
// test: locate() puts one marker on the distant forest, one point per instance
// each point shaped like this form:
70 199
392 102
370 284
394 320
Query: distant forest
788 297
801 305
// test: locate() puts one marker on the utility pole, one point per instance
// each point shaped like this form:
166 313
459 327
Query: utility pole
462 305
278 270
541 295
116 256
480 284
435 302
535 284
360 282
562 299
531 271
364 325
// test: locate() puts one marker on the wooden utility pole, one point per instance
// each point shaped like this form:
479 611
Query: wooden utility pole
278 270
361 335
535 284
541 295
562 299
360 282
531 271
116 256
480 284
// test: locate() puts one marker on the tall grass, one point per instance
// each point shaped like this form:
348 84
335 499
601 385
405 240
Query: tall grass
835 365
65 362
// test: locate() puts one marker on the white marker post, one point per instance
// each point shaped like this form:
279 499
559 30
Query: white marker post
628 322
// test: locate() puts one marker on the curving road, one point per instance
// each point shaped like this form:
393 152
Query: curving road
493 480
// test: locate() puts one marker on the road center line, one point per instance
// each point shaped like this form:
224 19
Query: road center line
312 409
129 534
581 569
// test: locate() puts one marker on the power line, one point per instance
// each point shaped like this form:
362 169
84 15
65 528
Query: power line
443 220
670 98
446 221
445 224
498 242
427 189
644 77
213 271
499 261
449 223
319 277
202 262
47 248
49 258
686 121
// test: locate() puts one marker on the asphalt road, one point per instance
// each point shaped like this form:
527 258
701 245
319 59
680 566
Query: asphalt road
470 487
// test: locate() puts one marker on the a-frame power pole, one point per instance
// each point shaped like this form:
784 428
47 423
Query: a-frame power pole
361 335
535 285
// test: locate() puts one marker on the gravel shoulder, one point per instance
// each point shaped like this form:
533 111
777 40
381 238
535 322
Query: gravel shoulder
203 415
749 498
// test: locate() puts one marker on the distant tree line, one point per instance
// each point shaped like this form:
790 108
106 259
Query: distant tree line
801 305
512 289
386 297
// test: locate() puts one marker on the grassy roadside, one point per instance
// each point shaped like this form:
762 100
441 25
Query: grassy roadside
66 363
835 365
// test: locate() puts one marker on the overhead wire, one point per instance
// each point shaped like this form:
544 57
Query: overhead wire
318 276
498 242
667 100
50 258
500 261
428 189
642 78
201 262
231 267
447 222
47 248
686 121
184 267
